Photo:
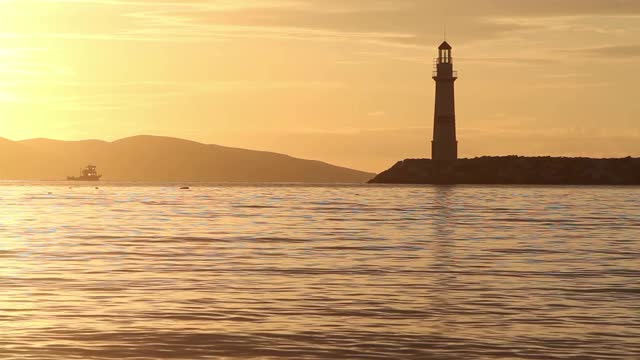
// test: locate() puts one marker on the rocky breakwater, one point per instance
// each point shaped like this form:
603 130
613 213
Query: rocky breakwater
515 170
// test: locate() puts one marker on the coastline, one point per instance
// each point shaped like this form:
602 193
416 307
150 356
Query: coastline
514 170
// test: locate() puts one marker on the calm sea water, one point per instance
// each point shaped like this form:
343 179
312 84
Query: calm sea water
318 272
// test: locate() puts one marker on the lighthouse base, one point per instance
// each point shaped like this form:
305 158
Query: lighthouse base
444 150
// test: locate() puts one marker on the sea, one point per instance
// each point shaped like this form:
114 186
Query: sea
289 271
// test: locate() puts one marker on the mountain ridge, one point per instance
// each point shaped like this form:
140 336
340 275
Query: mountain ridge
162 158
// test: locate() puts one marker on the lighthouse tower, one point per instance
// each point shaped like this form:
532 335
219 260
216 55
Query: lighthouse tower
445 144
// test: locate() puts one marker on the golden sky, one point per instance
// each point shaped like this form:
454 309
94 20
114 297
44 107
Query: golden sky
344 81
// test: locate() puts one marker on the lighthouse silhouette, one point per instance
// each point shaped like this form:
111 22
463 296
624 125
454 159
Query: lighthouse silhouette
445 143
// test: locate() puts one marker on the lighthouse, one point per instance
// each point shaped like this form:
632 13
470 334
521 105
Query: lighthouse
445 143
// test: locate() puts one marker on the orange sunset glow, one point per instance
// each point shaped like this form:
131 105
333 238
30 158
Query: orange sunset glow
319 179
330 80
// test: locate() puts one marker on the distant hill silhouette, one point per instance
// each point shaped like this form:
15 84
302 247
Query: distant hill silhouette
154 158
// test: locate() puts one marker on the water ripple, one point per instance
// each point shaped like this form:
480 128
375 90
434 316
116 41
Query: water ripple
318 272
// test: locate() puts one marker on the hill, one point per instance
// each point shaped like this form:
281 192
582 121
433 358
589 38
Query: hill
154 158
515 170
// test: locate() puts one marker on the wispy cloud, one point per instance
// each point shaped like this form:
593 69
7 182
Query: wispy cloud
381 22
98 96
610 53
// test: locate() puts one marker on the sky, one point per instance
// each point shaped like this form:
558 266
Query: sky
343 81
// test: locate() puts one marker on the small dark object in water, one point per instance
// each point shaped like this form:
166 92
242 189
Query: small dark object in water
185 188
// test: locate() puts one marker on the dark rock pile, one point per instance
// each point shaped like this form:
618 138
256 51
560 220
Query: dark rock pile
515 170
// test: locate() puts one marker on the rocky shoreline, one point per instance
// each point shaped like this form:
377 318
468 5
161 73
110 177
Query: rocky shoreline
515 170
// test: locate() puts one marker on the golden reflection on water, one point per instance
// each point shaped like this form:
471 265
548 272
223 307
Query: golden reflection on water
315 272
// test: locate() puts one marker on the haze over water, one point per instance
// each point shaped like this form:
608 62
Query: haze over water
318 272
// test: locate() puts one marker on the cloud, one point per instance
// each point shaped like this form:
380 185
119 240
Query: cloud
99 96
382 22
608 53
516 61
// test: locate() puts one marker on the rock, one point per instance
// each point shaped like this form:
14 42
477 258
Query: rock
515 170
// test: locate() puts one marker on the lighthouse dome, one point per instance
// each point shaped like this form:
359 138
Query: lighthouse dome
445 46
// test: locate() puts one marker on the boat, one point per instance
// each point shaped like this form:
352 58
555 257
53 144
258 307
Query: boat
88 174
